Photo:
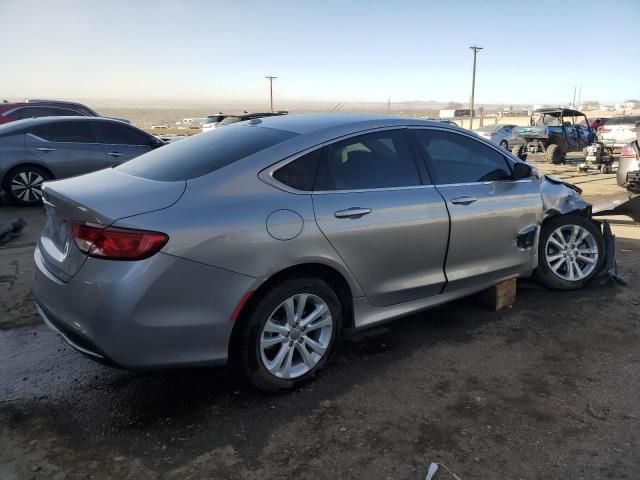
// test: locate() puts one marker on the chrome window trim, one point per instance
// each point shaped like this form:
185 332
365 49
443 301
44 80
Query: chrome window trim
443 185
266 175
64 143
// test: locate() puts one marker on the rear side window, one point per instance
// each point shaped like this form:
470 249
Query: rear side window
300 173
121 134
202 154
461 159
375 160
72 132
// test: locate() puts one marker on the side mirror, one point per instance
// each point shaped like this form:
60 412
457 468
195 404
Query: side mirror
521 170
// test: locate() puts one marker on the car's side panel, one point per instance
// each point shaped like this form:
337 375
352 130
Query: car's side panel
216 225
67 159
483 244
397 250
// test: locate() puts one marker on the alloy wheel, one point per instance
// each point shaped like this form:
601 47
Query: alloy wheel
296 336
571 252
27 186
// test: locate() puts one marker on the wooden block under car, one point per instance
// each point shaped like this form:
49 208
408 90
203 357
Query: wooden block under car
500 296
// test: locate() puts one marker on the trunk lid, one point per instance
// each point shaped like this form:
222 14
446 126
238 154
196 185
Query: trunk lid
100 198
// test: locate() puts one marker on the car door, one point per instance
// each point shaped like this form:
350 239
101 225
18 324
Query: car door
494 218
383 217
67 147
122 142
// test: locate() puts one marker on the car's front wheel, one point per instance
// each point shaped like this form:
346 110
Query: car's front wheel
570 252
24 184
290 334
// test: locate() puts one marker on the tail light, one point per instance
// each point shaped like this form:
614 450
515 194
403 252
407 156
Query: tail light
117 243
603 129
628 151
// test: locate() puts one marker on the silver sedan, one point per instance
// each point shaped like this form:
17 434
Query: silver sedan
500 135
258 243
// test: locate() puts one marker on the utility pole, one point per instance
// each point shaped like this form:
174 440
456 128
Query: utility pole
573 102
271 78
473 84
579 95
389 105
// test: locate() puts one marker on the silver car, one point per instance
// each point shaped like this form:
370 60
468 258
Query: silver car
35 150
500 135
257 244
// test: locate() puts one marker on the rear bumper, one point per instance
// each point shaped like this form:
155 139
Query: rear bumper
160 312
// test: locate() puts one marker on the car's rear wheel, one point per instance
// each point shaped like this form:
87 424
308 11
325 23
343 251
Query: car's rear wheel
24 184
553 154
570 252
504 144
290 334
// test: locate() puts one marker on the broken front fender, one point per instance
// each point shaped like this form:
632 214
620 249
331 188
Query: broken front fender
560 198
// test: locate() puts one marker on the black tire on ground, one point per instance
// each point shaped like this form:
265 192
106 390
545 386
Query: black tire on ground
544 273
518 151
504 144
23 184
553 154
246 356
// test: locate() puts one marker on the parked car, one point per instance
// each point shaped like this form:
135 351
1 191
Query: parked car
212 121
619 131
628 175
260 242
35 150
554 132
10 112
231 119
500 134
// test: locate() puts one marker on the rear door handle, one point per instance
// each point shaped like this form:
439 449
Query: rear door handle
115 154
353 212
46 149
464 200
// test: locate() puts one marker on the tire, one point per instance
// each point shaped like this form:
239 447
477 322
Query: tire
553 154
517 151
556 267
259 344
504 144
23 184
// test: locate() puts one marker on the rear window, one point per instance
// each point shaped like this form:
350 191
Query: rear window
629 119
203 153
231 120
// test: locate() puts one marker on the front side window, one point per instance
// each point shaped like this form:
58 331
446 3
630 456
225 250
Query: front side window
374 160
460 159
71 132
121 134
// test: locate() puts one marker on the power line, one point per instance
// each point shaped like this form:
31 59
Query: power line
271 78
473 84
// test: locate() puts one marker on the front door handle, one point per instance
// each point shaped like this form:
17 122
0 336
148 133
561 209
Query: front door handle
464 200
46 149
115 154
353 212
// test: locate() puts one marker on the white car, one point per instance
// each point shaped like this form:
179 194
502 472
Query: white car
619 131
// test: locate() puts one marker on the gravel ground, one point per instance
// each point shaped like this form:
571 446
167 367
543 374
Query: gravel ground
546 389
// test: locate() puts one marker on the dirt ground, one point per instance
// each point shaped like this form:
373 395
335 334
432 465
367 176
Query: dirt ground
546 389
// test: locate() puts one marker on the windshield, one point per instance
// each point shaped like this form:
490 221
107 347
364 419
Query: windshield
203 153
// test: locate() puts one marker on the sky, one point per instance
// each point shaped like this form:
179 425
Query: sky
321 50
